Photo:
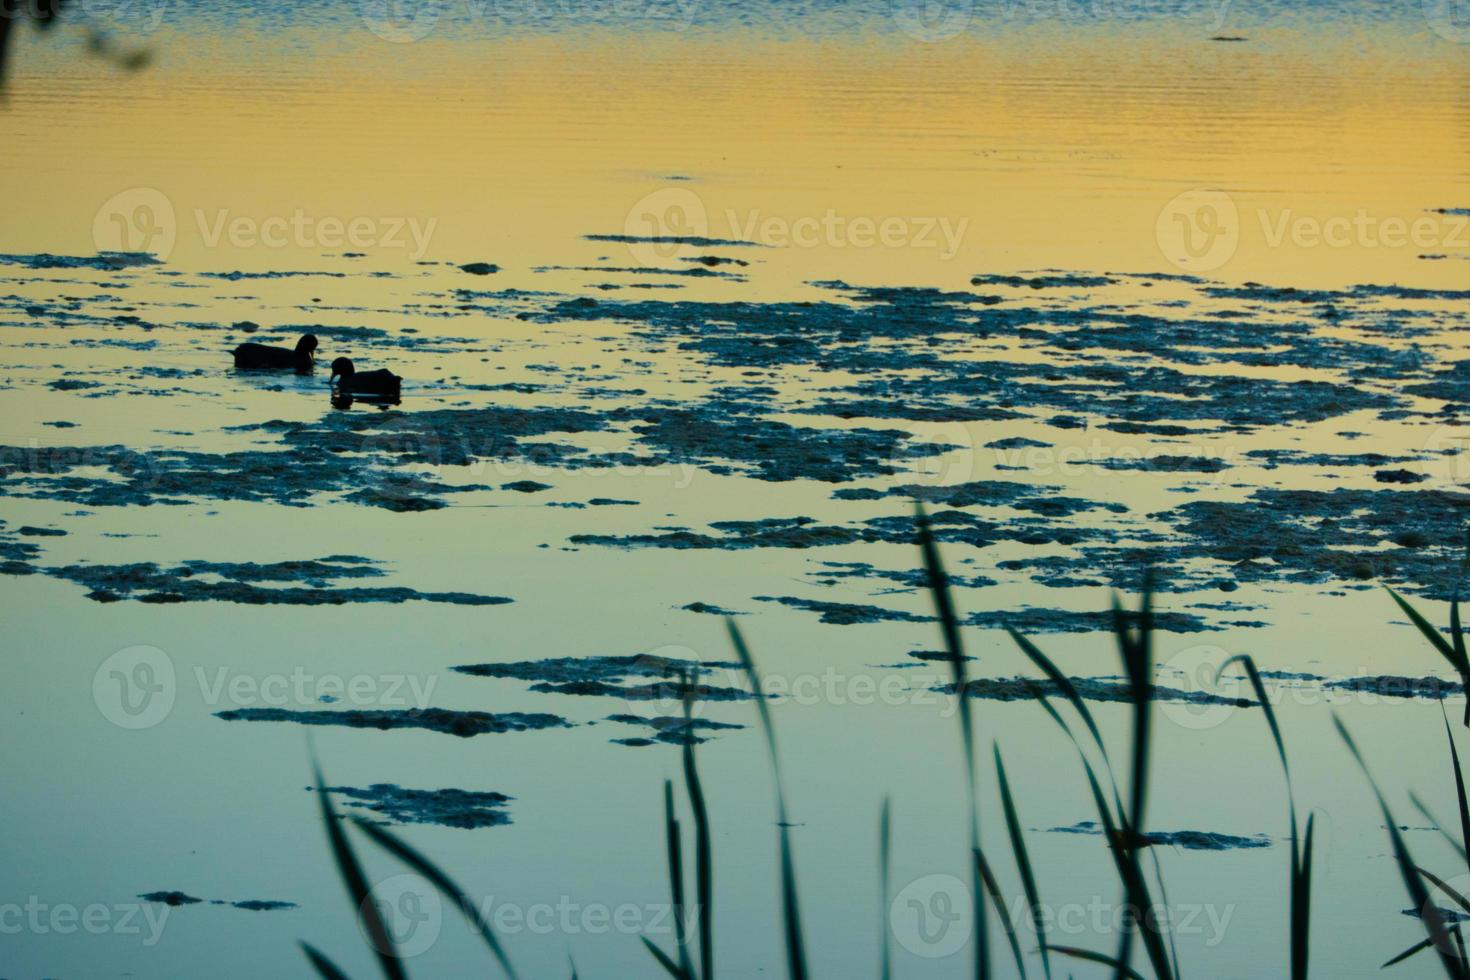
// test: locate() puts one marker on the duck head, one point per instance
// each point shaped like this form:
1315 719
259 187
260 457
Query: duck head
306 346
342 372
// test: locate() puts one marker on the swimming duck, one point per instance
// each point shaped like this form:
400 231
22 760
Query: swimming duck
349 380
263 357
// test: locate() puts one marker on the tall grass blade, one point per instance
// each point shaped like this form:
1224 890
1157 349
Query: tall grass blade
1429 913
1459 786
1300 877
1063 683
676 878
325 968
1435 823
992 889
1086 954
357 887
1135 890
1135 647
1301 899
885 867
937 580
704 864
1445 649
1418 947
1453 652
663 959
1164 909
1454 895
395 846
791 908
1023 861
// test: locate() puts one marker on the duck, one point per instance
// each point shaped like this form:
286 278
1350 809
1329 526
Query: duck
263 357
350 381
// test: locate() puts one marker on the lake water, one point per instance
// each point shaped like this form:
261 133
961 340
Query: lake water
1102 286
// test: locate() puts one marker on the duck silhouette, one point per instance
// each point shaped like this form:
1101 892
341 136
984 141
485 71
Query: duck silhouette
348 380
263 357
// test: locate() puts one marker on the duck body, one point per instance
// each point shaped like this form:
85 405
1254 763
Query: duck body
263 357
349 380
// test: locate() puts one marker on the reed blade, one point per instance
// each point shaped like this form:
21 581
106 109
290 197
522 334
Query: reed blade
1454 656
885 863
368 913
1418 947
992 889
937 580
704 864
1439 827
325 968
1429 915
790 905
1091 957
1454 895
1063 683
663 959
676 877
1459 788
1023 861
